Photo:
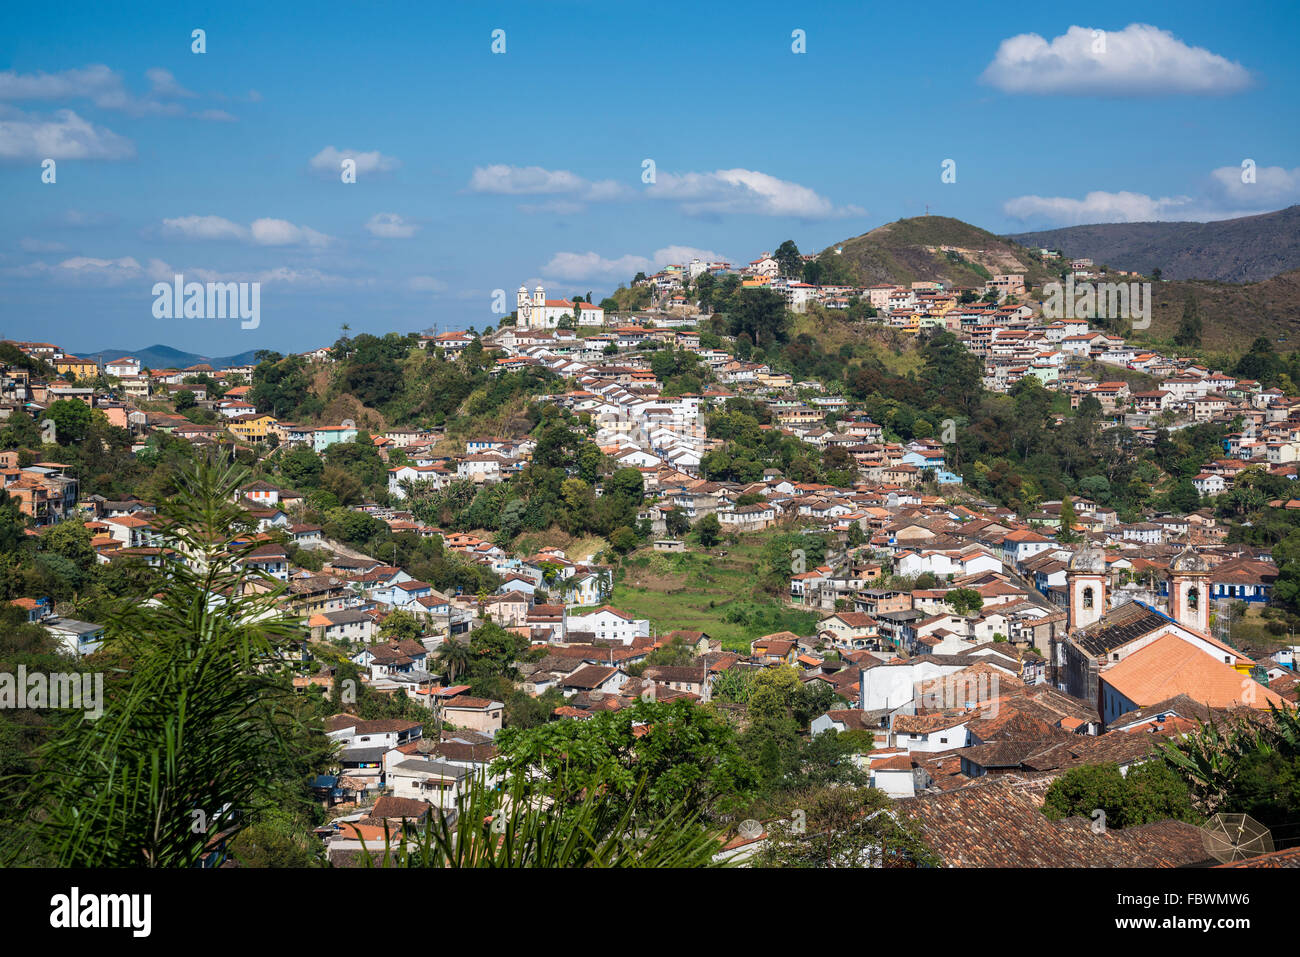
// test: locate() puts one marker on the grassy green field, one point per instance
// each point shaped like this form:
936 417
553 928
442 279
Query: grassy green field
713 591
1249 632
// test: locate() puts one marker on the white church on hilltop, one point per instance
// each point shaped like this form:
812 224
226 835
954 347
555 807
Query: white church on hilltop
542 313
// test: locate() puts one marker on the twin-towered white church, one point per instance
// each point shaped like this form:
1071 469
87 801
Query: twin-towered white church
542 313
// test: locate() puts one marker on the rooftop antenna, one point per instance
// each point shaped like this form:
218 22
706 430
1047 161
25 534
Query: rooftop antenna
1235 837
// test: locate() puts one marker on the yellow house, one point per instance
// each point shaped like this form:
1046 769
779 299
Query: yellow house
911 322
253 427
774 380
81 368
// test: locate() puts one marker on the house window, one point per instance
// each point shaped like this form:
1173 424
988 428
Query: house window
1087 598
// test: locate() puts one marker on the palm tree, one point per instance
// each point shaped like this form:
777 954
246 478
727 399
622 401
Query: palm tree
514 827
1207 758
453 657
200 729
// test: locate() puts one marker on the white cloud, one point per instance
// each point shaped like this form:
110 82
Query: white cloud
96 83
263 232
743 191
591 265
1224 196
1274 186
162 83
723 191
105 88
1138 60
216 116
390 226
66 136
1100 207
523 180
684 254
503 180
88 270
280 232
329 161
204 227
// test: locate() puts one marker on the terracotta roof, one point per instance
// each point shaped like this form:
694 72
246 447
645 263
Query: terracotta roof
998 822
1170 666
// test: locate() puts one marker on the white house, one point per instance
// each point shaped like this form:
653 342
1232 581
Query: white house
610 624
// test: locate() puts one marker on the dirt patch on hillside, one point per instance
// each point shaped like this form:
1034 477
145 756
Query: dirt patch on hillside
348 406
645 578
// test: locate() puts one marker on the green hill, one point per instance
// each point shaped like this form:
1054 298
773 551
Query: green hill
935 249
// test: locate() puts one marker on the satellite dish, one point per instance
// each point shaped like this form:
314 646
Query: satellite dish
347 424
1235 837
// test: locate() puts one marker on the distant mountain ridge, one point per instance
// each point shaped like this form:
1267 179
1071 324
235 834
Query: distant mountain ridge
1247 249
159 356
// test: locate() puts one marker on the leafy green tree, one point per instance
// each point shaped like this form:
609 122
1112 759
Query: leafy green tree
839 826
360 459
282 387
343 485
964 601
453 657
12 524
401 626
1189 327
788 260
709 530
1155 792
301 467
1243 765
1066 533
493 653
72 419
774 692
278 839
1183 497
1082 790
1151 791
759 314
203 731
657 755
353 528
676 523
623 540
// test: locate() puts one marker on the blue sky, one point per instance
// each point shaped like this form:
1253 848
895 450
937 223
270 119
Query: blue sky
479 171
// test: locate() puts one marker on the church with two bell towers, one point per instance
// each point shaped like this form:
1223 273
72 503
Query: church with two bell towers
538 312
